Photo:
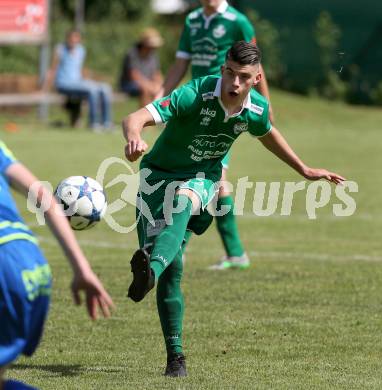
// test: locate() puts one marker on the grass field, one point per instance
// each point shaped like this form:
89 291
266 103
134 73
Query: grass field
306 315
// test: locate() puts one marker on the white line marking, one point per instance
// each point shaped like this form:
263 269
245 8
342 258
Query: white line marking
267 254
315 256
87 243
304 217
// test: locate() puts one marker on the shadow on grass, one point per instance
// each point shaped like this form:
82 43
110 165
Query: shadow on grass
61 369
65 370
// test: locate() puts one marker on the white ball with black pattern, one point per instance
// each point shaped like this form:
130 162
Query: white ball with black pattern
83 200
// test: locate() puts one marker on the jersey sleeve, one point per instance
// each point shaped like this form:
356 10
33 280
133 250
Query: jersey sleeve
181 102
260 124
6 157
184 47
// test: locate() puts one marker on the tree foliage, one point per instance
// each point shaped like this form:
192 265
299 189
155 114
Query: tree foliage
97 10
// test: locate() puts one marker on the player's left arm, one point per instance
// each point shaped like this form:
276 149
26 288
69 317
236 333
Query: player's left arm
22 179
249 35
277 144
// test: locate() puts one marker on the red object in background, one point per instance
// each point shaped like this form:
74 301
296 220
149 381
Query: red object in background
11 127
23 21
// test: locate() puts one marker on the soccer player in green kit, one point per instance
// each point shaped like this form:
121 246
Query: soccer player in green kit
208 33
185 162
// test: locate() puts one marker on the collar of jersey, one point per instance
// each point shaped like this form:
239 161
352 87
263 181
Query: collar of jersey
221 9
218 93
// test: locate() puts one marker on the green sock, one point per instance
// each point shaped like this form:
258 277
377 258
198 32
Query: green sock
186 239
171 305
170 239
228 230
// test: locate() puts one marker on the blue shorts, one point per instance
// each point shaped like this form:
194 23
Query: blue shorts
25 287
12 384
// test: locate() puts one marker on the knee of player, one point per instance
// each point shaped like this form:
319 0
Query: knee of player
184 196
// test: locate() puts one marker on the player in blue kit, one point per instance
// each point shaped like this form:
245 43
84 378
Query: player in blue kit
25 276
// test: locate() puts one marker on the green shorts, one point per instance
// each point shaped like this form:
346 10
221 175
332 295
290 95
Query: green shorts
152 207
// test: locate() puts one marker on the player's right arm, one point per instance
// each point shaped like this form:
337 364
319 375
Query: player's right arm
132 127
22 179
182 101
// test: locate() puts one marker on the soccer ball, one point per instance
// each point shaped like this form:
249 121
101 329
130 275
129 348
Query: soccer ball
83 200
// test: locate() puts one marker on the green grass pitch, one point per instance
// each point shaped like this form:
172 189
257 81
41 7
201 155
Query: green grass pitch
306 315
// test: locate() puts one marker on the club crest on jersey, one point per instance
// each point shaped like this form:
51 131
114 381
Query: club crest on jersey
240 127
219 31
208 112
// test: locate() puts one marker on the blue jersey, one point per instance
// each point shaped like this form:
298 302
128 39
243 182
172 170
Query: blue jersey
12 226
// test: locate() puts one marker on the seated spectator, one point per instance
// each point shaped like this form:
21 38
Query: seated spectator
67 73
141 75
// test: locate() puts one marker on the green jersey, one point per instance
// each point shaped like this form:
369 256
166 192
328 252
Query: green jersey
205 40
199 131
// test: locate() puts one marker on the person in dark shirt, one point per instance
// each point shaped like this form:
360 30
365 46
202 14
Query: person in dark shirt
141 75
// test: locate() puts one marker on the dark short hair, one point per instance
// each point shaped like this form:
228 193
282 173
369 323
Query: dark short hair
244 53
